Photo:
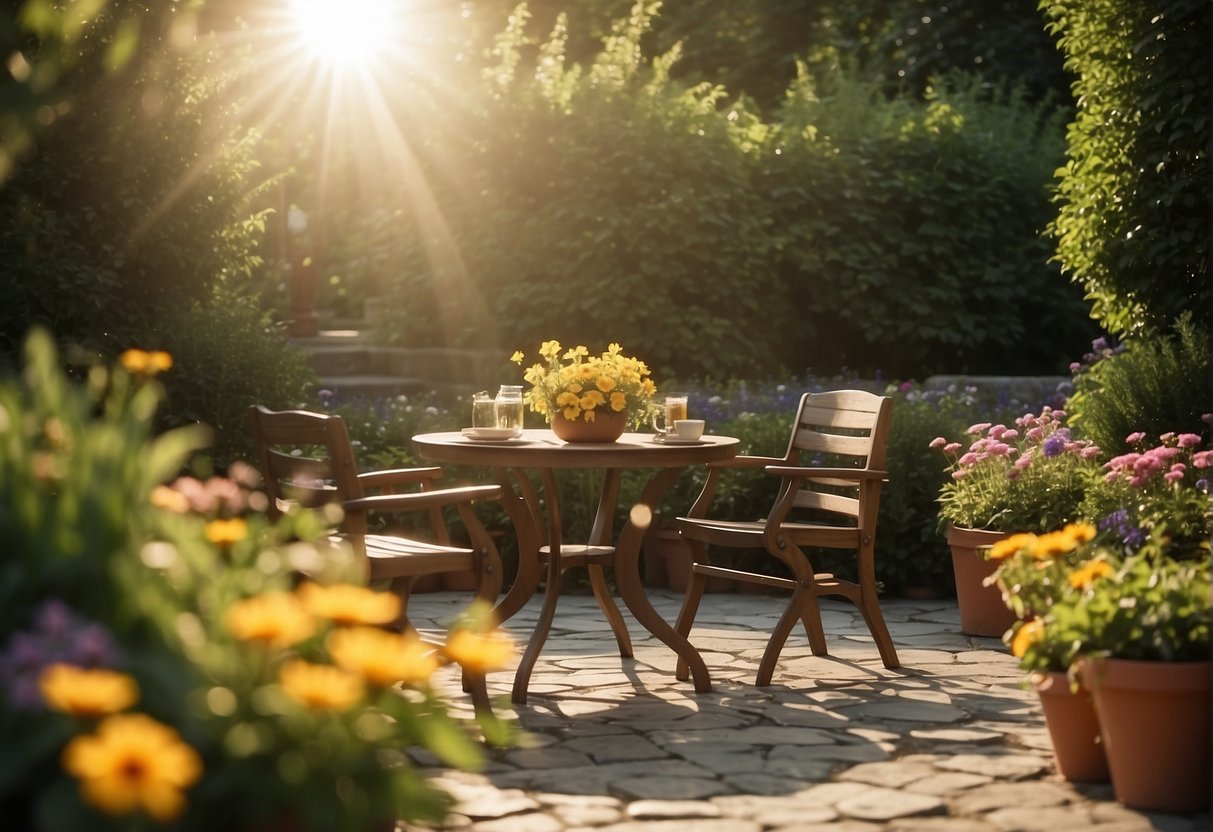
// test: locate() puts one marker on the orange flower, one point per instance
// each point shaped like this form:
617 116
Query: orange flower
320 686
87 693
382 657
166 498
146 364
479 652
1089 572
1028 634
1008 546
133 763
347 604
276 619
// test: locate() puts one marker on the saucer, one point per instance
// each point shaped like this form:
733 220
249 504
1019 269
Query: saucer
662 439
490 434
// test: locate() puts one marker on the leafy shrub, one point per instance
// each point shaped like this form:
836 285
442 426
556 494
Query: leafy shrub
909 233
120 570
1133 221
1152 383
218 378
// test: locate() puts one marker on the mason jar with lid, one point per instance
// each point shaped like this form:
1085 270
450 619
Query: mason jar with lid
509 406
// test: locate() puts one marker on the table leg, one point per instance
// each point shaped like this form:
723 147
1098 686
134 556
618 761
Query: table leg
551 595
600 535
627 577
520 503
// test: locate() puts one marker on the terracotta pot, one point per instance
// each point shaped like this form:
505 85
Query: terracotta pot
606 427
982 611
1154 720
1073 727
676 557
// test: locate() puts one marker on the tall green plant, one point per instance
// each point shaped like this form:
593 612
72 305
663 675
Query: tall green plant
1155 385
1133 221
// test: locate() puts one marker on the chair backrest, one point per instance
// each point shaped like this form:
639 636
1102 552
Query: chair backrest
840 429
305 458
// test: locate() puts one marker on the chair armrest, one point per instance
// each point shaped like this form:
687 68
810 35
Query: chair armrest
747 462
399 476
424 499
856 474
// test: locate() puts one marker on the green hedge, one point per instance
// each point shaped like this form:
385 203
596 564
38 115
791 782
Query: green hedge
1133 221
605 202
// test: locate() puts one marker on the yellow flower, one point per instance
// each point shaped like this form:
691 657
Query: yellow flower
619 402
1089 572
479 652
605 383
133 763
1008 546
276 619
1028 634
1080 532
517 357
591 400
382 657
567 399
347 604
87 693
146 364
549 349
320 686
226 532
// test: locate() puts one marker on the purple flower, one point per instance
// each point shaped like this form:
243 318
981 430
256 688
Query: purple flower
57 635
1055 445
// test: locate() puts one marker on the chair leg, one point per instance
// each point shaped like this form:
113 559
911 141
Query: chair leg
810 617
401 588
610 610
686 617
802 596
477 685
869 606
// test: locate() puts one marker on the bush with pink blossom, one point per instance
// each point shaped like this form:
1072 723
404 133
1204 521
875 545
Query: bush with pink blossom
1157 491
1028 478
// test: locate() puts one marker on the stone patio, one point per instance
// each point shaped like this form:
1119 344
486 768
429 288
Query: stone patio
950 742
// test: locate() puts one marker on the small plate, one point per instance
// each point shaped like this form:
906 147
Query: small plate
491 434
660 439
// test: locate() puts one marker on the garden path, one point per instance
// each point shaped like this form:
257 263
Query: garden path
951 742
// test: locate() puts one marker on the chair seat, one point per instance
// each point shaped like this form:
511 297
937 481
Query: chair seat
746 534
394 557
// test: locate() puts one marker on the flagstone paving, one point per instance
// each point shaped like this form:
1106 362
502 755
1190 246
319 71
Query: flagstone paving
950 742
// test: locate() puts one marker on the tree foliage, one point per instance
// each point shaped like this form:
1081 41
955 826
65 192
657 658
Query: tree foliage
1133 221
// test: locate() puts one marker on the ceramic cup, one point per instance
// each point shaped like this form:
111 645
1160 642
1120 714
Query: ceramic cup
688 428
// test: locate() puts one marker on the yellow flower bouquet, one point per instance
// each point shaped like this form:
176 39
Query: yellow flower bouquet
579 386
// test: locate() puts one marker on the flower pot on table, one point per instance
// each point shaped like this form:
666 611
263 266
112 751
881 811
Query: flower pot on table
1069 711
982 610
606 427
1154 721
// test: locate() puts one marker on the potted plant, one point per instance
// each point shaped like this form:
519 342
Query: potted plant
1128 609
1144 625
1026 478
1034 574
588 398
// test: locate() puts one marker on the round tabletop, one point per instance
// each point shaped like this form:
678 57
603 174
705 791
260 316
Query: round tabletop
541 449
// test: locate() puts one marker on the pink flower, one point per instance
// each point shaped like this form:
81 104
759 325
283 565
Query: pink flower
938 442
1188 440
1009 434
951 447
999 449
1202 459
998 431
970 459
1036 434
980 427
1135 437
1168 436
1089 452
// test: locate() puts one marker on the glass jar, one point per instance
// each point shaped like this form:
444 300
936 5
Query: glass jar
484 410
509 406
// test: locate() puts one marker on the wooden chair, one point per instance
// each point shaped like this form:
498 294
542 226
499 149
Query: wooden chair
842 428
323 470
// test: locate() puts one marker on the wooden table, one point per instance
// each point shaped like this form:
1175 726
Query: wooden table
539 535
